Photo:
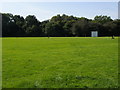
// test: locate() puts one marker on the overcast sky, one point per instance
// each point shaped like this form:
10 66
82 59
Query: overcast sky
45 10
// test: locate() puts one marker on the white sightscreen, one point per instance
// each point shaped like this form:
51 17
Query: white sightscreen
94 33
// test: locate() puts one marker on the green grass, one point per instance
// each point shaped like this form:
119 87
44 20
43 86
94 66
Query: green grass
60 62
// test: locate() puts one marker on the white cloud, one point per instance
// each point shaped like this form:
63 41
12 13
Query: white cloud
25 10
44 13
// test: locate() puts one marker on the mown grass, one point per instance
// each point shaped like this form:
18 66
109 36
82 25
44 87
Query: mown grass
60 62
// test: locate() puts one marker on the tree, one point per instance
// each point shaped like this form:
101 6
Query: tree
102 19
110 27
80 27
54 29
95 26
9 27
32 26
58 26
68 28
76 29
117 29
56 18
20 23
31 20
43 24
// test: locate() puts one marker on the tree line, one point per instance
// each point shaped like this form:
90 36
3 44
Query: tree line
58 26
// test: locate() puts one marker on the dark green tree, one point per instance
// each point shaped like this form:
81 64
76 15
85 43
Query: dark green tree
58 26
32 26
110 27
102 19
19 20
9 27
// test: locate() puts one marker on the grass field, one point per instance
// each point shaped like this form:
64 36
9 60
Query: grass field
60 62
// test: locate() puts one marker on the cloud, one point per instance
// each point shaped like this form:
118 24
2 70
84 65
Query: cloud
25 9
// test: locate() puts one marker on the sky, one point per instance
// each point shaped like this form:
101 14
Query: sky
45 10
